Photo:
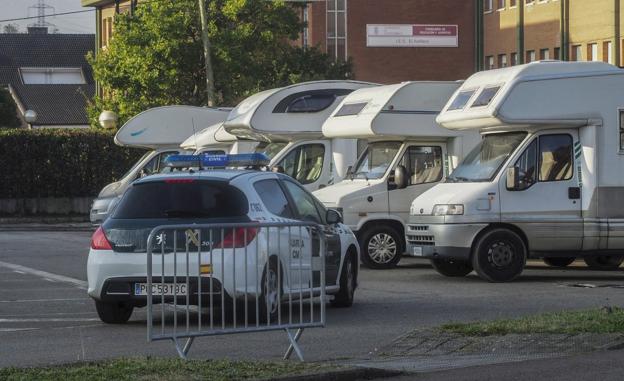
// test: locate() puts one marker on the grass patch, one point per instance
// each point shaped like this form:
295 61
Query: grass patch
155 369
600 320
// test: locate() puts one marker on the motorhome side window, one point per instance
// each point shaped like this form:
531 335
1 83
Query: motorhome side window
305 163
526 165
555 157
423 164
621 130
375 160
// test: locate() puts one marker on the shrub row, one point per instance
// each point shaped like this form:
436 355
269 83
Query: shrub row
60 162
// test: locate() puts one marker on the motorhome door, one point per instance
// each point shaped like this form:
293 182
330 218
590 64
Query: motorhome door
546 200
424 164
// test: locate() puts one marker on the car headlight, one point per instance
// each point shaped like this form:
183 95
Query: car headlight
447 209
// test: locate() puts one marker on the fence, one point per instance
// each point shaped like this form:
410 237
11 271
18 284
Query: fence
234 278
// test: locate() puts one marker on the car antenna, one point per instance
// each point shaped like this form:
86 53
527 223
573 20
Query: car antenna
195 139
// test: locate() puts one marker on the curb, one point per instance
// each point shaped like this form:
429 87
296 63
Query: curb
351 374
46 227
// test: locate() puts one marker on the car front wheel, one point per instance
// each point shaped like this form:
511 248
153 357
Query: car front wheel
381 247
114 313
604 262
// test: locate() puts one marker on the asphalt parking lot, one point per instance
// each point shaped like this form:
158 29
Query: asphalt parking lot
46 316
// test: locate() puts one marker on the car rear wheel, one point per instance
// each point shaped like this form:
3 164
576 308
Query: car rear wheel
114 313
604 262
499 255
451 268
559 262
271 292
348 282
381 247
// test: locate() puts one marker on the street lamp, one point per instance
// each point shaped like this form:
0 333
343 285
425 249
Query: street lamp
30 116
108 119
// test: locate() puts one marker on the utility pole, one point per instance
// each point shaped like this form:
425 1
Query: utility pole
208 61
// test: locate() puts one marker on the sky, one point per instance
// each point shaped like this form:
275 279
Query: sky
75 23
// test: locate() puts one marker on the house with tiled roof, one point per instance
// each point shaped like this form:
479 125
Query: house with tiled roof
48 74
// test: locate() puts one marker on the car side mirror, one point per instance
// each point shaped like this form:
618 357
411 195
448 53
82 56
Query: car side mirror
400 177
333 217
513 179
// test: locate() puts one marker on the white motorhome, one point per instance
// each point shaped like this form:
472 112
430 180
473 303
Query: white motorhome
288 121
407 154
214 140
160 130
546 180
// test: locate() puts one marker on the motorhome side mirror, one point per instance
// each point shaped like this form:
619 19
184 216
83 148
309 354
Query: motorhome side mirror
278 169
333 217
400 177
513 179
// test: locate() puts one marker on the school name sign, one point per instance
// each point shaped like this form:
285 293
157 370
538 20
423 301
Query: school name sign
412 36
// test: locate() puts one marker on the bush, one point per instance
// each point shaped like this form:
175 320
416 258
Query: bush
60 162
8 110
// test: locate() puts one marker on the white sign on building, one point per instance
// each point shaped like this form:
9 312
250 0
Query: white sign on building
412 36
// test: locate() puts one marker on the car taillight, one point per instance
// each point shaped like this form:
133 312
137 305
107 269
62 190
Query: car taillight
236 238
99 240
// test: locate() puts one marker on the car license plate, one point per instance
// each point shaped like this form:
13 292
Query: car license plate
417 251
167 289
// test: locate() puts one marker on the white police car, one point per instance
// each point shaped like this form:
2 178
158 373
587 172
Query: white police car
117 263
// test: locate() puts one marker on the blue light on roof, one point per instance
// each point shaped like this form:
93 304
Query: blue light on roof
217 161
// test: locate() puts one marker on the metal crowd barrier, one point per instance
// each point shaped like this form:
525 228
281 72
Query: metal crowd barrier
220 279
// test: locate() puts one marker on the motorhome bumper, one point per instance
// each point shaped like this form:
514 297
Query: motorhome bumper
452 241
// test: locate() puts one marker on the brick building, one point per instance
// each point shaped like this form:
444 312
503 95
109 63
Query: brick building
520 31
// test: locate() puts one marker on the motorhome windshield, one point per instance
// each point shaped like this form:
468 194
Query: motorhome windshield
270 149
375 161
136 164
484 161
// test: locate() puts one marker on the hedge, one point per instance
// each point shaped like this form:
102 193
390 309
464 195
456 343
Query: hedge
60 162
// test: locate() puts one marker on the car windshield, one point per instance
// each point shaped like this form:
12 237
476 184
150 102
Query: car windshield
136 164
375 160
484 161
270 149
181 198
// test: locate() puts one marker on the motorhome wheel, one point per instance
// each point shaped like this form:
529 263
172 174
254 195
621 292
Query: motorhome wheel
381 247
559 262
451 268
499 255
604 262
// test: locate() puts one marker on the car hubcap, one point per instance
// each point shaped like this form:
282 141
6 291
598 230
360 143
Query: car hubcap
382 248
501 254
271 291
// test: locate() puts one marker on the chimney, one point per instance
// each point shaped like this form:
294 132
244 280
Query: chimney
37 30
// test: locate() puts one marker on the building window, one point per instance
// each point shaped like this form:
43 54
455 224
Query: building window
514 59
557 54
512 3
501 4
306 28
337 29
621 130
489 62
487 5
52 76
530 56
502 60
529 2
577 53
544 54
592 52
607 52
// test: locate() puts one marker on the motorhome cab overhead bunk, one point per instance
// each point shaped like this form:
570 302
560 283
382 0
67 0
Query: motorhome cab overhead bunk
546 180
214 140
288 123
160 130
406 154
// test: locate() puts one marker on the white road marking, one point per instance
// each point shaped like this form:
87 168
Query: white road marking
46 275
19 272
46 320
16 329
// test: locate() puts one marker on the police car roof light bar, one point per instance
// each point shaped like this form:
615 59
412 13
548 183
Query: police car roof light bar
218 161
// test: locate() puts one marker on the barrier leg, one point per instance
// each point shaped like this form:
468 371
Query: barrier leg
293 344
182 352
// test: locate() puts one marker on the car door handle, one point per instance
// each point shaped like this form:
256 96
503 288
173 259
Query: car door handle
574 193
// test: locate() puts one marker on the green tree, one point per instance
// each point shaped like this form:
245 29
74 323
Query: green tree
8 110
155 57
